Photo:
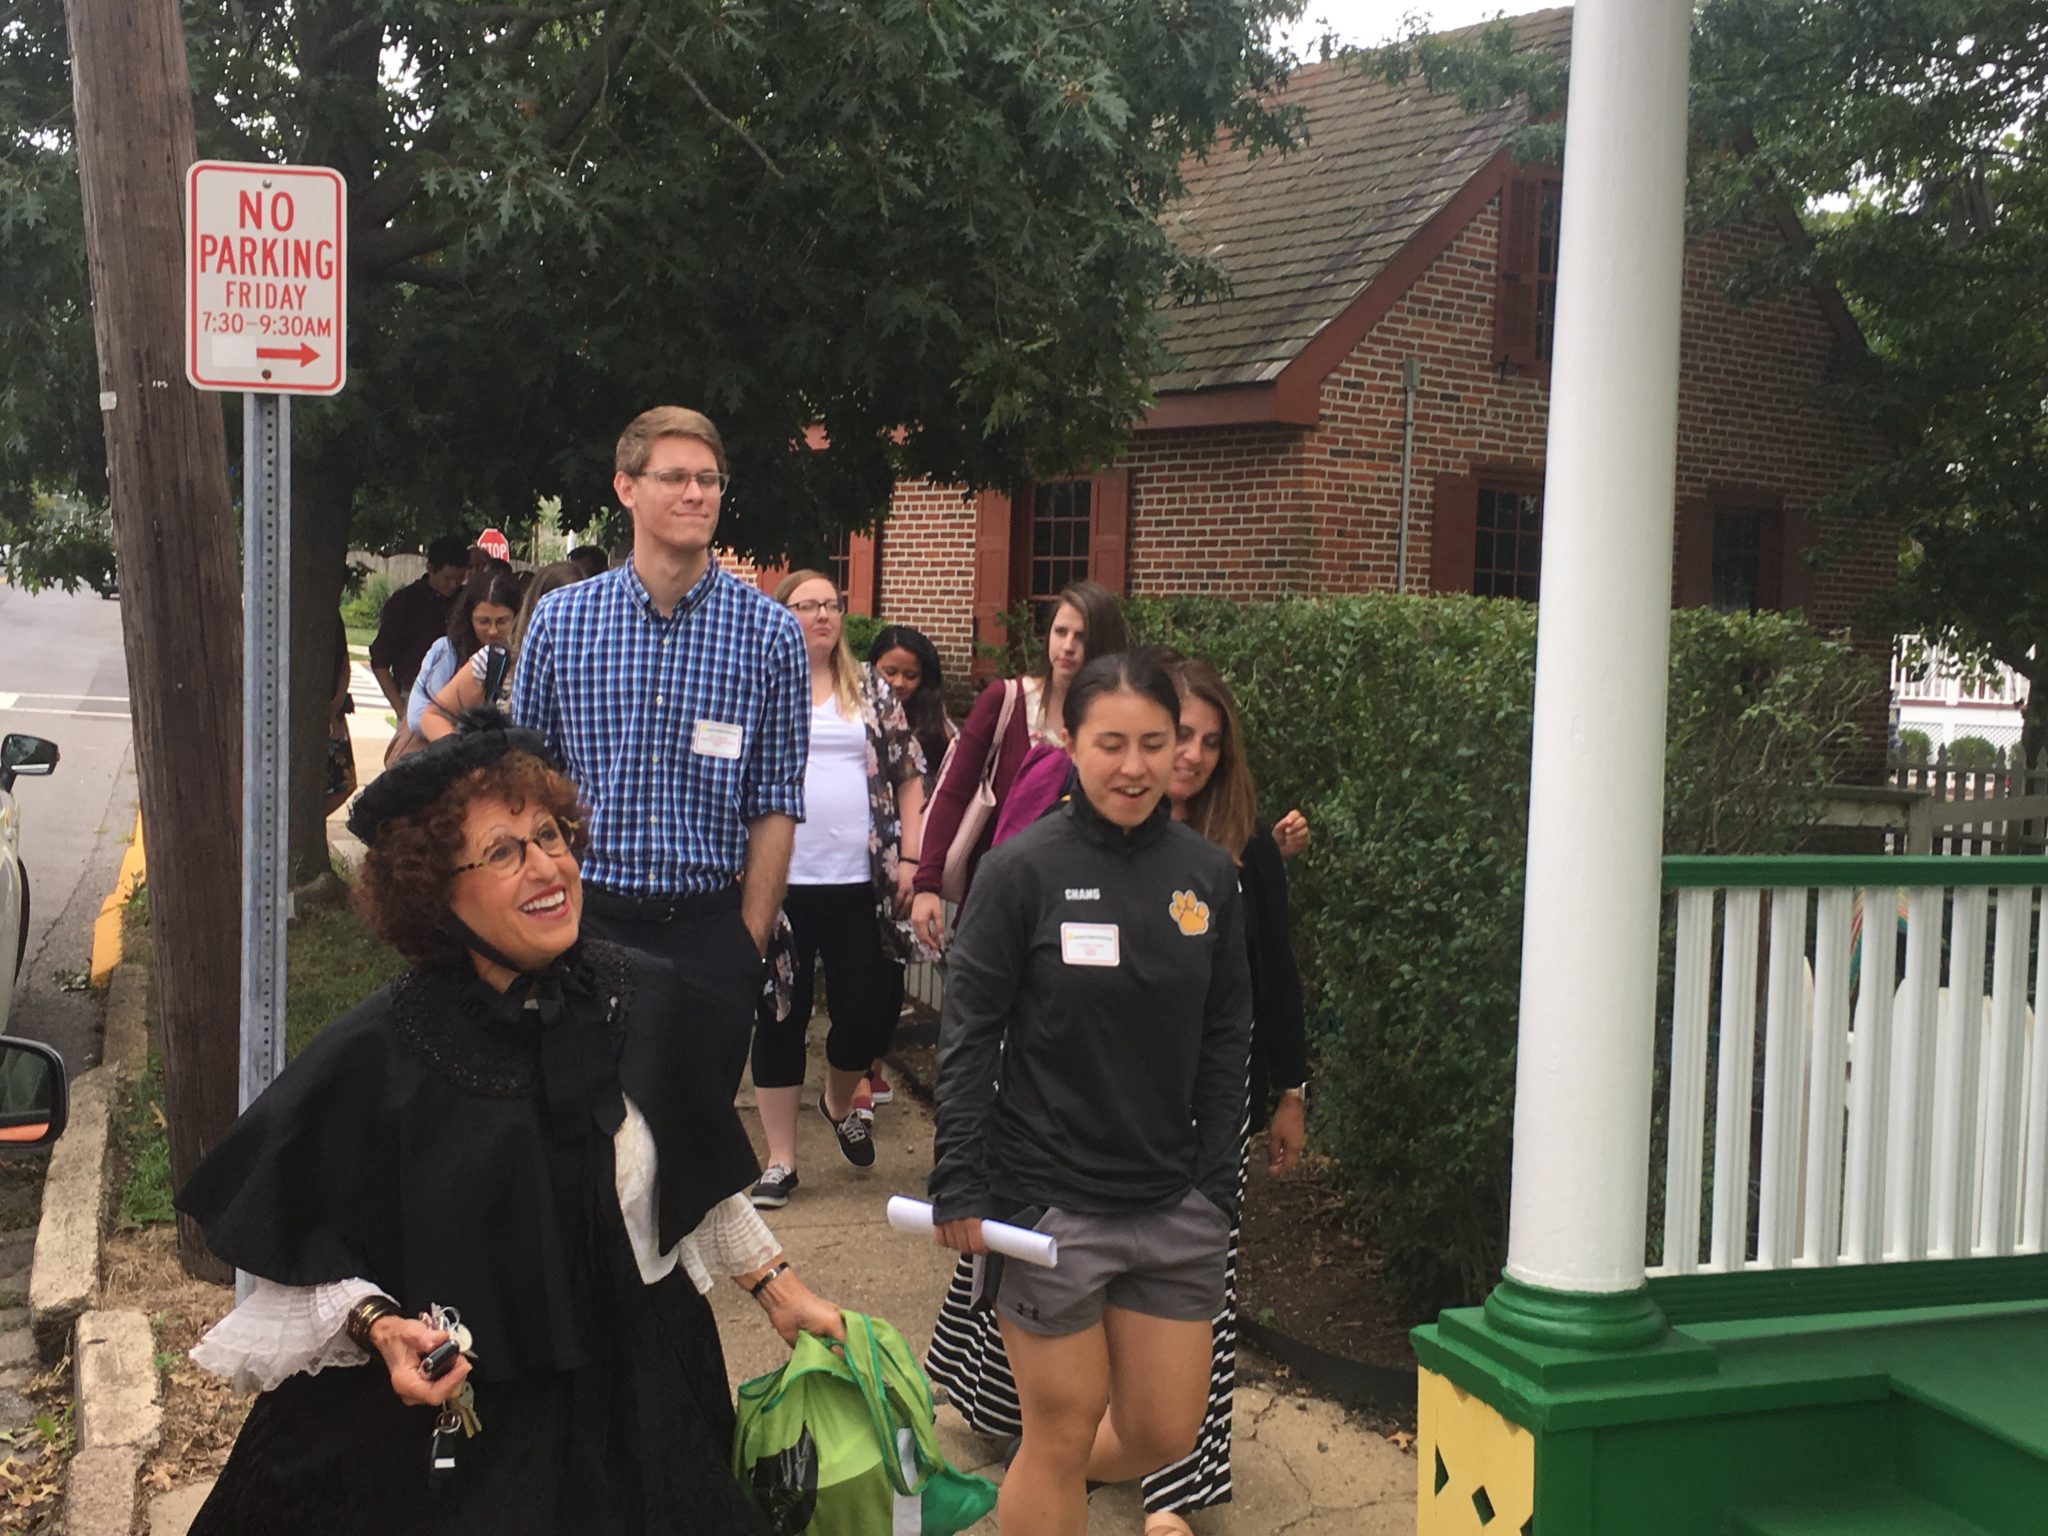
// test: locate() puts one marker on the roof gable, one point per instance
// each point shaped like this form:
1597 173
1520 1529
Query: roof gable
1301 236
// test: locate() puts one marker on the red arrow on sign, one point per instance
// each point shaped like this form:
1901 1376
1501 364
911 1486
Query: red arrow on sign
302 354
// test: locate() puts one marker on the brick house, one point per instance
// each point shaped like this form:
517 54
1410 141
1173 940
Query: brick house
1401 244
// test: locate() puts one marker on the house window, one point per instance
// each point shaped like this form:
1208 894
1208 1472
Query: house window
839 563
1056 543
1031 543
1507 548
1738 556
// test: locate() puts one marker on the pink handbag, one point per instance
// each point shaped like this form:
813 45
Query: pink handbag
981 805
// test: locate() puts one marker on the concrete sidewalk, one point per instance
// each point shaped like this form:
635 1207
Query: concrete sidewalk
1301 1464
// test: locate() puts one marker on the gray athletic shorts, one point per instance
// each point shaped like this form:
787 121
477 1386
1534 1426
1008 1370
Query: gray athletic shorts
1167 1263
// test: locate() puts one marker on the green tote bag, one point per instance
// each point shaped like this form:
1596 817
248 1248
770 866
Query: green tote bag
841 1442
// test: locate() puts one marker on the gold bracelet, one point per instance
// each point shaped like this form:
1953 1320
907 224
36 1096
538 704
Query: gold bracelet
365 1315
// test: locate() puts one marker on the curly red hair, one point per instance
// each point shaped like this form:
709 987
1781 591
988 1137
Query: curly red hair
402 888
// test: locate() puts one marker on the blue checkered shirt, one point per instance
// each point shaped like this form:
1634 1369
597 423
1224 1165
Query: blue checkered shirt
624 697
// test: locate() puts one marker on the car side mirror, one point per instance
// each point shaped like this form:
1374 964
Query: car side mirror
25 756
35 1101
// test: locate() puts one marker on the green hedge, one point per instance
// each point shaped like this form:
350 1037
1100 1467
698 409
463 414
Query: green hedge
1401 727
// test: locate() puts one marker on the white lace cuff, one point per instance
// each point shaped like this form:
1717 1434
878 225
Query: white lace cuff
732 1239
282 1330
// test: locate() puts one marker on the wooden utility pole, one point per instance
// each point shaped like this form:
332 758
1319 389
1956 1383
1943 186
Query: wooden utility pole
174 534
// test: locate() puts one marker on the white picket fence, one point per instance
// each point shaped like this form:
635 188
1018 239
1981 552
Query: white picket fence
1910 1123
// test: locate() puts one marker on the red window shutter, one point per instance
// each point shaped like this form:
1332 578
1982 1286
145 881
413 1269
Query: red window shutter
992 571
1454 521
861 566
1109 518
1796 538
769 577
1695 584
1514 303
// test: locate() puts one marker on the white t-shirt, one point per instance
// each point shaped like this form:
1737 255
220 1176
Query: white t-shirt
832 839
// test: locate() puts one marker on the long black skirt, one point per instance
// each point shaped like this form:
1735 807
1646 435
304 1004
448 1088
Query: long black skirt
637 1443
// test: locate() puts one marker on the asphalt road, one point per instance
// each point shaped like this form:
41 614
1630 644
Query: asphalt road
63 676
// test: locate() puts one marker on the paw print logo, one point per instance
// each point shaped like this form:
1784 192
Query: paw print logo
1190 912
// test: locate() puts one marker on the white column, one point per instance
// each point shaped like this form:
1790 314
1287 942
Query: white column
1589 929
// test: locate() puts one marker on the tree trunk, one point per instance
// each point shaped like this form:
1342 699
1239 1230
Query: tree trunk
323 488
2034 718
174 532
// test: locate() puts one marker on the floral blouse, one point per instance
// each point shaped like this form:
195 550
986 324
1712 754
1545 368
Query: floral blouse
894 759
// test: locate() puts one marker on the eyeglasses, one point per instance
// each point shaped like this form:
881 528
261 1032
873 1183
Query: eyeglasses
709 481
814 605
507 856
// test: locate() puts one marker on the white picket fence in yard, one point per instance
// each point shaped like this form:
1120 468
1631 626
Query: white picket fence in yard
1893 1119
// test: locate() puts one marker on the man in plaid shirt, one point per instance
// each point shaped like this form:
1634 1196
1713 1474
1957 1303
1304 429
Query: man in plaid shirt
678 699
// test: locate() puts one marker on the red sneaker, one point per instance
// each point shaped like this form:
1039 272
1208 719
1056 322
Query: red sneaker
878 1087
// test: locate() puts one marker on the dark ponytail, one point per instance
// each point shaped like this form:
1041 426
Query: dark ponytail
1138 672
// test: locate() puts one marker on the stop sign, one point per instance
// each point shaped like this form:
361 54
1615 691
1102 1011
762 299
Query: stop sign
493 542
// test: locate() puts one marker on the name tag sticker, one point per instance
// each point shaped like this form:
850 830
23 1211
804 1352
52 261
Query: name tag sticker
715 738
1089 944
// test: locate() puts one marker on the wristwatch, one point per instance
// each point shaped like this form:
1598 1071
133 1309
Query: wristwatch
1299 1091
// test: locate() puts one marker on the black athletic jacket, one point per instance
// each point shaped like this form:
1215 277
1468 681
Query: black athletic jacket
1094 1087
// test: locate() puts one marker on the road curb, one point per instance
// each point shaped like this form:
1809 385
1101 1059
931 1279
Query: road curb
106 928
118 1418
124 1037
64 1276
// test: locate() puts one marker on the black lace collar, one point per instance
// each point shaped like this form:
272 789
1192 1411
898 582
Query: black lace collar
479 1040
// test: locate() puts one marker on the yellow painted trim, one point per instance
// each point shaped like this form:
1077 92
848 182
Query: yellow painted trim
1482 1455
106 928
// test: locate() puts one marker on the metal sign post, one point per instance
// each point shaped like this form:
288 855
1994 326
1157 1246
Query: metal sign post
266 716
266 313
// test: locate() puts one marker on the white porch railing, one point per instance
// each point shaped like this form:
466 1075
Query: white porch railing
1895 1119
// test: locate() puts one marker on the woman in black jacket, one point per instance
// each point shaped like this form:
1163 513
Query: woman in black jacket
1212 792
1092 1065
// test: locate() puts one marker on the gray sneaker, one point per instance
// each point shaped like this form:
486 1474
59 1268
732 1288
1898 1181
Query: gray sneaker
773 1190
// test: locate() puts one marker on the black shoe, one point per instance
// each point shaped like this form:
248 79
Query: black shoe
776 1185
856 1141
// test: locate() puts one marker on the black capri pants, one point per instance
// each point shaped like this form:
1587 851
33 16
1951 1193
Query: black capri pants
836 924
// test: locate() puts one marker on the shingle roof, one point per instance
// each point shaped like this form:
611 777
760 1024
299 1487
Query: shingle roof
1302 235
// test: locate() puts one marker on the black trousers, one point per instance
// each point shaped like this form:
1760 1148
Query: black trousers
835 923
703 938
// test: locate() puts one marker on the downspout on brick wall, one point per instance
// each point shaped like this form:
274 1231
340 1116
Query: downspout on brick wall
1411 380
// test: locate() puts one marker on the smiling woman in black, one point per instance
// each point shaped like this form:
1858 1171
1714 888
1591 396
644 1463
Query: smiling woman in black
1092 1064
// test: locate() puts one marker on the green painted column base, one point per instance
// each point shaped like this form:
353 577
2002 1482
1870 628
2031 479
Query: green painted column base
1600 1321
1527 1346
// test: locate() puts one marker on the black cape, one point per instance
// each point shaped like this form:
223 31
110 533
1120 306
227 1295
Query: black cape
451 1145
420 1143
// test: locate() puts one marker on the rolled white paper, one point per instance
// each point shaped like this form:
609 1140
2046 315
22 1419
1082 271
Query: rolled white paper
908 1215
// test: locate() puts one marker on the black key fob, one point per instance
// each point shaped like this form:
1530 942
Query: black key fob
436 1364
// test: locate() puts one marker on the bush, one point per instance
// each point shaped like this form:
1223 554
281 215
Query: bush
861 630
1974 753
1914 747
1400 726
363 607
